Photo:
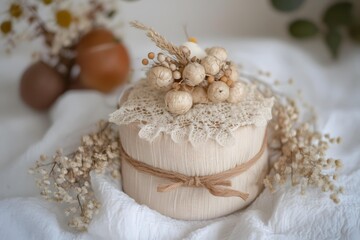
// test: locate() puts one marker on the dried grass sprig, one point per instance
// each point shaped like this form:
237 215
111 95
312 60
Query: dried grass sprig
161 42
66 178
298 151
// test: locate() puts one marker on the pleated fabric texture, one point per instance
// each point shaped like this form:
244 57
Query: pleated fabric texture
191 203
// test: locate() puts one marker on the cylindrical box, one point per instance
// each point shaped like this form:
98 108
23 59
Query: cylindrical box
147 135
192 203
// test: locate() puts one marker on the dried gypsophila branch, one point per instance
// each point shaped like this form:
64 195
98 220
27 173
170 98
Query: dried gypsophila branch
299 150
66 178
161 42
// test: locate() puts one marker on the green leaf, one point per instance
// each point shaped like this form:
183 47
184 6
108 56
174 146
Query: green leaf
354 32
333 42
339 14
302 29
286 5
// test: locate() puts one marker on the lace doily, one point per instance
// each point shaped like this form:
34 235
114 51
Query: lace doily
202 122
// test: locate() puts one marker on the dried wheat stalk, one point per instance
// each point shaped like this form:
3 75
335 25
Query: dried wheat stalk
161 42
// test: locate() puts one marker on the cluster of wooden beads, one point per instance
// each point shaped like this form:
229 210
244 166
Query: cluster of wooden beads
210 79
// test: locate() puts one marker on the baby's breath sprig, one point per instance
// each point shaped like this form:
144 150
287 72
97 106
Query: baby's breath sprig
66 178
298 149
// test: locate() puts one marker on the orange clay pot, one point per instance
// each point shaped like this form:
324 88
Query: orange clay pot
104 63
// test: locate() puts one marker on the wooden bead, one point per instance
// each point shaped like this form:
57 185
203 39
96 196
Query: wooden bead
178 102
145 61
193 74
160 78
151 55
224 79
229 82
210 79
218 91
211 65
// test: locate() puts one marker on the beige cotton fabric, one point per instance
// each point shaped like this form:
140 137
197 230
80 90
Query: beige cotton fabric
190 203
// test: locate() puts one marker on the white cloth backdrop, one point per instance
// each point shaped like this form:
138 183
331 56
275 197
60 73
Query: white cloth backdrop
332 87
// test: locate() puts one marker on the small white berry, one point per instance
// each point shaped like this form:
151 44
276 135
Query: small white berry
172 67
176 75
161 57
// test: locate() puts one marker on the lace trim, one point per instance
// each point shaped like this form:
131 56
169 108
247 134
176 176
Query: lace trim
202 122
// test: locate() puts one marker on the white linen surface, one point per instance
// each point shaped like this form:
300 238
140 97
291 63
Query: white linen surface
332 87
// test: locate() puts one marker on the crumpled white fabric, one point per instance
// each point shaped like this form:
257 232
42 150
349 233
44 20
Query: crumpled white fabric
332 88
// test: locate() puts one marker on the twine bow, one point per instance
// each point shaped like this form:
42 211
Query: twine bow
216 183
213 186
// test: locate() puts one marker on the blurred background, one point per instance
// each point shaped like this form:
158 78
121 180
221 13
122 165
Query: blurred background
320 54
215 18
211 20
254 32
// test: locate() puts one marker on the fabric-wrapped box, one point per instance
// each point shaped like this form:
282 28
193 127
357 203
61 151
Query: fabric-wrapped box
204 164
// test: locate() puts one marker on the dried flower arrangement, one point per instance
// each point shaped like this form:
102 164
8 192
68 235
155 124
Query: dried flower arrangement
71 33
191 75
297 149
66 178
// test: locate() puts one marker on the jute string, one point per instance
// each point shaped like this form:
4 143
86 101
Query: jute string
213 183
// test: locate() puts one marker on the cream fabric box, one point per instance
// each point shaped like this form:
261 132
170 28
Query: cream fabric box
209 139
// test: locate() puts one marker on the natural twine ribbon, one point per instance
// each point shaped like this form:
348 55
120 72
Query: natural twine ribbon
212 182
